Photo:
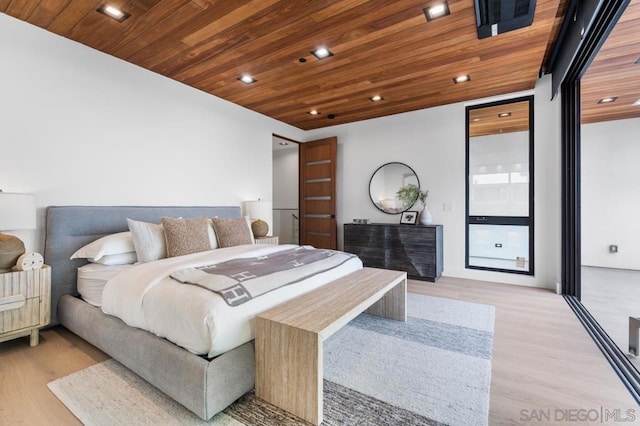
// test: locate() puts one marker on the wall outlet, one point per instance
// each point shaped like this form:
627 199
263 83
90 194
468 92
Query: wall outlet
447 207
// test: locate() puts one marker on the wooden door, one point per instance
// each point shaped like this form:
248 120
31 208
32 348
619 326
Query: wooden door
318 225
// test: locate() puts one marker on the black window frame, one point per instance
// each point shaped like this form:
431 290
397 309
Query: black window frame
502 220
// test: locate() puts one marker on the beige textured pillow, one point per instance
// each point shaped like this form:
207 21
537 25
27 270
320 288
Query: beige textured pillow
186 236
232 232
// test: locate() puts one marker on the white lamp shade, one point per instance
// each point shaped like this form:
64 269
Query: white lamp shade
262 210
17 211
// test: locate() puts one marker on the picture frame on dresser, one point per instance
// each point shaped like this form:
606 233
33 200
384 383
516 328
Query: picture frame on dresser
409 217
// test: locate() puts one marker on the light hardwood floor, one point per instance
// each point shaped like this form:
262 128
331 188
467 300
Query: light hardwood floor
543 360
612 296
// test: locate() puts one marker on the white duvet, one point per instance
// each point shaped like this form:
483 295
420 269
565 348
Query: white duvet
197 319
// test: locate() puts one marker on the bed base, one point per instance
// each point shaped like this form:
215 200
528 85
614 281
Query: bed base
204 386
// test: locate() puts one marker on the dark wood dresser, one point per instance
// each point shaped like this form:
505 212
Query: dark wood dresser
415 249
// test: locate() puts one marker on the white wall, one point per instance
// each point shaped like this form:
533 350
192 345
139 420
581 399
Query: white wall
610 188
81 127
432 142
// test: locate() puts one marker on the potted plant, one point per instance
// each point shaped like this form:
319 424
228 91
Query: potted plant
411 193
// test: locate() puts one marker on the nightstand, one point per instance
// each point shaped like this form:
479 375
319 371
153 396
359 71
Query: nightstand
25 303
267 240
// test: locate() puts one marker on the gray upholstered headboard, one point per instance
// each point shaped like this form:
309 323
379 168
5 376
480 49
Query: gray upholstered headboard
70 227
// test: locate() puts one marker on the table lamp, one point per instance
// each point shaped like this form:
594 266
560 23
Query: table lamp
260 213
17 211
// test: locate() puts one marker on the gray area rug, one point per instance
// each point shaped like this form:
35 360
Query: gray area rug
434 369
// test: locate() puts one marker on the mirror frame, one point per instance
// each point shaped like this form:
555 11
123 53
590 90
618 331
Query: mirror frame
371 180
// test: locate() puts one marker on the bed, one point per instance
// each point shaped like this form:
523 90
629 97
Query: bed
203 385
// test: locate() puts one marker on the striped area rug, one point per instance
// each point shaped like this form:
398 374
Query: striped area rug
434 369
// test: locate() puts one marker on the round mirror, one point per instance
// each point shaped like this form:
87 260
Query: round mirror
394 188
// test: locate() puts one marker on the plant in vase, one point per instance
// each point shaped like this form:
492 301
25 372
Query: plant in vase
410 194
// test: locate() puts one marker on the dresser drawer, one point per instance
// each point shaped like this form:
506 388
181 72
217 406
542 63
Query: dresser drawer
24 299
415 249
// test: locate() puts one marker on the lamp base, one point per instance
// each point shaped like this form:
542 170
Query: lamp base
260 228
11 248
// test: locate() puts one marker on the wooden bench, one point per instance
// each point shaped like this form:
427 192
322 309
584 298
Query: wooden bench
289 337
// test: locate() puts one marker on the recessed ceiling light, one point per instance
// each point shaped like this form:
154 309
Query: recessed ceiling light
247 79
376 98
314 112
638 61
608 100
636 103
283 143
331 116
461 79
476 119
437 10
113 12
321 53
504 114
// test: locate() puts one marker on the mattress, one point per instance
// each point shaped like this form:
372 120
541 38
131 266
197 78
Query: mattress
193 317
93 277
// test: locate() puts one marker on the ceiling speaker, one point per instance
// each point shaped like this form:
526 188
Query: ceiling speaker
495 17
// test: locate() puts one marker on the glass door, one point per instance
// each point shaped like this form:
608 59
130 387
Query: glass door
609 182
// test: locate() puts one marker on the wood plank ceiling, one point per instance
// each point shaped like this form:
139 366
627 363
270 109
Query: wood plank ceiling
380 47
487 120
615 72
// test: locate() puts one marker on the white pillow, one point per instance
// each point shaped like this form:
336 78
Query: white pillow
148 239
116 259
212 235
121 242
253 239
